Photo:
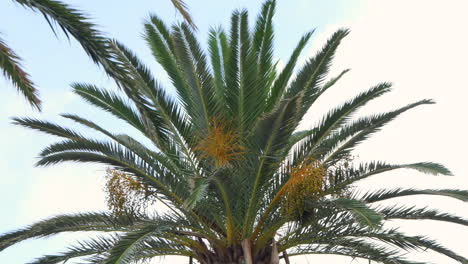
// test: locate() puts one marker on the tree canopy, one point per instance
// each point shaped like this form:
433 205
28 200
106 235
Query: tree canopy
238 181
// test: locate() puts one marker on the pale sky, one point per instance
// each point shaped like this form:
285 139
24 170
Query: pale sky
419 45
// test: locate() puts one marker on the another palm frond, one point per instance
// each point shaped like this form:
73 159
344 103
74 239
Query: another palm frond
12 70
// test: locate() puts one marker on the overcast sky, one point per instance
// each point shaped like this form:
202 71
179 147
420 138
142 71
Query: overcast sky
419 45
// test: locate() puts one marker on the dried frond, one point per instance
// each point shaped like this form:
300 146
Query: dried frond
182 8
125 195
306 181
221 144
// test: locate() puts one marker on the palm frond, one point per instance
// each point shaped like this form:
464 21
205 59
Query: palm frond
418 243
270 133
312 75
383 194
10 64
153 101
362 212
109 102
281 82
232 67
218 49
46 127
128 247
338 116
194 70
414 213
350 135
75 23
250 92
125 140
342 177
262 44
159 39
356 248
199 192
97 246
103 222
155 175
334 80
134 151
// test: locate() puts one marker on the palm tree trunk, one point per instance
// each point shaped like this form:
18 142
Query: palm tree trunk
242 254
286 257
247 250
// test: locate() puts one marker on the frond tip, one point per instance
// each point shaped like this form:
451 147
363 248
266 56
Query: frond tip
10 66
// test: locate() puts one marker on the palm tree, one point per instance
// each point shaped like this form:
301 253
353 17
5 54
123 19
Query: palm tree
238 181
73 22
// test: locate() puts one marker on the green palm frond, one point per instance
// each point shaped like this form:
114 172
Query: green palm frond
153 101
232 66
72 22
75 23
129 246
336 117
391 237
155 176
132 144
97 246
334 80
102 222
250 92
280 84
270 134
195 71
405 242
12 70
380 195
362 212
109 102
47 127
345 176
218 47
413 213
198 192
356 248
311 76
159 39
262 44
340 145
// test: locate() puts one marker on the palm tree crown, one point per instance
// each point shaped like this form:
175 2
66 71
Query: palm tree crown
240 183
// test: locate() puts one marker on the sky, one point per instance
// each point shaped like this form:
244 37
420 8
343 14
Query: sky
418 45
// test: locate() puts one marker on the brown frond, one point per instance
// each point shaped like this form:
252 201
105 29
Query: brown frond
182 8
